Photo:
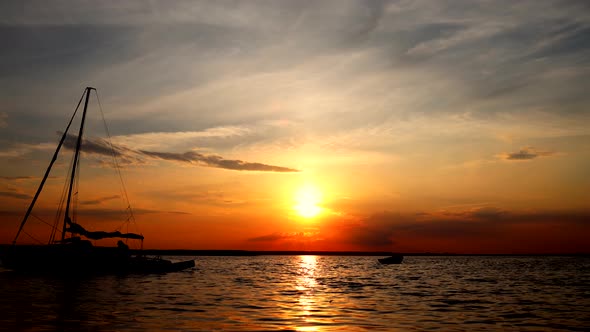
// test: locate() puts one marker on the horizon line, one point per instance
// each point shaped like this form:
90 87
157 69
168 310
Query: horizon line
242 252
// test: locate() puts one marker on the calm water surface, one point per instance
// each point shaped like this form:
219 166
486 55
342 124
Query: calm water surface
313 293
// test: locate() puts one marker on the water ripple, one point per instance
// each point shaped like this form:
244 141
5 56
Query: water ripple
309 293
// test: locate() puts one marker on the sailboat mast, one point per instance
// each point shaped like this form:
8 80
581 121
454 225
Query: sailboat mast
75 163
61 141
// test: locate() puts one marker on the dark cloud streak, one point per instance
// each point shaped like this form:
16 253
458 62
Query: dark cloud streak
482 222
17 178
101 214
94 145
17 195
99 200
129 156
526 153
216 161
281 237
383 230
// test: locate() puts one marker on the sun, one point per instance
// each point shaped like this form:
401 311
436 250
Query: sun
307 200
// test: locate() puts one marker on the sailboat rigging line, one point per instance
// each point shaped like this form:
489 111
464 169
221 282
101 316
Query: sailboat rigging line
32 237
60 206
41 220
76 156
76 195
63 137
74 255
115 161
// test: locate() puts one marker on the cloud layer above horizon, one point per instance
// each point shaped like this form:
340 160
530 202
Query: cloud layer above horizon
403 105
330 66
125 156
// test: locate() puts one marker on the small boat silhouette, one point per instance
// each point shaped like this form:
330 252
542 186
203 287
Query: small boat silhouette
393 259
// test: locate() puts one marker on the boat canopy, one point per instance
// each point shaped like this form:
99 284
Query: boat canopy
99 235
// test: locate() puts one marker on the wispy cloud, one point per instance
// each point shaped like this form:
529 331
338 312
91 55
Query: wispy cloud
477 213
464 35
99 200
129 156
317 64
15 194
216 161
526 153
214 137
101 214
93 145
274 237
426 231
17 178
102 147
21 149
403 88
469 228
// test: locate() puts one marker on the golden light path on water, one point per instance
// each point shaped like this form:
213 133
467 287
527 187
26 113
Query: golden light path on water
311 293
306 284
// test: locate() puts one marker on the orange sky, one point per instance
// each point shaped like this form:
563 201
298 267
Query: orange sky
413 127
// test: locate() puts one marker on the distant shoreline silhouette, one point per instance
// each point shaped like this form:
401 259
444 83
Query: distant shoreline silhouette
227 252
190 252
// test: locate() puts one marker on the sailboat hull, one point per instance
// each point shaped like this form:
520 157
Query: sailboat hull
76 260
73 255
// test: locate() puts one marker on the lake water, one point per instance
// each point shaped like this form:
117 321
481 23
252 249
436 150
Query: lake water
313 293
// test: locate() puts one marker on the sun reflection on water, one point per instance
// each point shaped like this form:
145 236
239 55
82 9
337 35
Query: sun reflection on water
308 299
307 293
307 270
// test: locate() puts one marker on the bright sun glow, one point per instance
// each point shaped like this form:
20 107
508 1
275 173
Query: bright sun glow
307 200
